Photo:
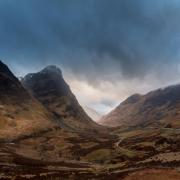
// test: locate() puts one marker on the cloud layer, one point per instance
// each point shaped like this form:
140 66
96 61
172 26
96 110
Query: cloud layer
114 47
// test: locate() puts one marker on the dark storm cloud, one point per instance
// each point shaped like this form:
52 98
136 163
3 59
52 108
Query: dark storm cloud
94 39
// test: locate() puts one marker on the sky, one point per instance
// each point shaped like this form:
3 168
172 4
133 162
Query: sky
106 49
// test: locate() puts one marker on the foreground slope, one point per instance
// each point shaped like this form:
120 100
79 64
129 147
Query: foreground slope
143 153
49 87
158 108
20 114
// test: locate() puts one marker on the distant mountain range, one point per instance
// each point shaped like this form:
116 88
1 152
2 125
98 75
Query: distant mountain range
159 108
92 113
44 100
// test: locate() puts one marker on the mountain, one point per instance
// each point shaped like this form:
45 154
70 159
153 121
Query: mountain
35 142
49 87
157 108
20 114
92 113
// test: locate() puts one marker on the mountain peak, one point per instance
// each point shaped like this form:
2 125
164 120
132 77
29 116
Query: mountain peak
5 70
3 67
49 80
51 69
50 88
132 99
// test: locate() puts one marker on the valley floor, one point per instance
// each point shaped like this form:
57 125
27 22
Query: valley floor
129 154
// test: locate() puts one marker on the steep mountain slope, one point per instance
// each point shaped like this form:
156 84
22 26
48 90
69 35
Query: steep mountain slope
49 87
20 114
92 113
157 108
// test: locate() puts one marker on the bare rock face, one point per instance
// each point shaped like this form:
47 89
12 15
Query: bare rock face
48 81
159 108
20 114
10 85
49 87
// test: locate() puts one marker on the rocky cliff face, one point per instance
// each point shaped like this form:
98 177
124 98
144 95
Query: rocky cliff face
157 108
49 87
10 87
